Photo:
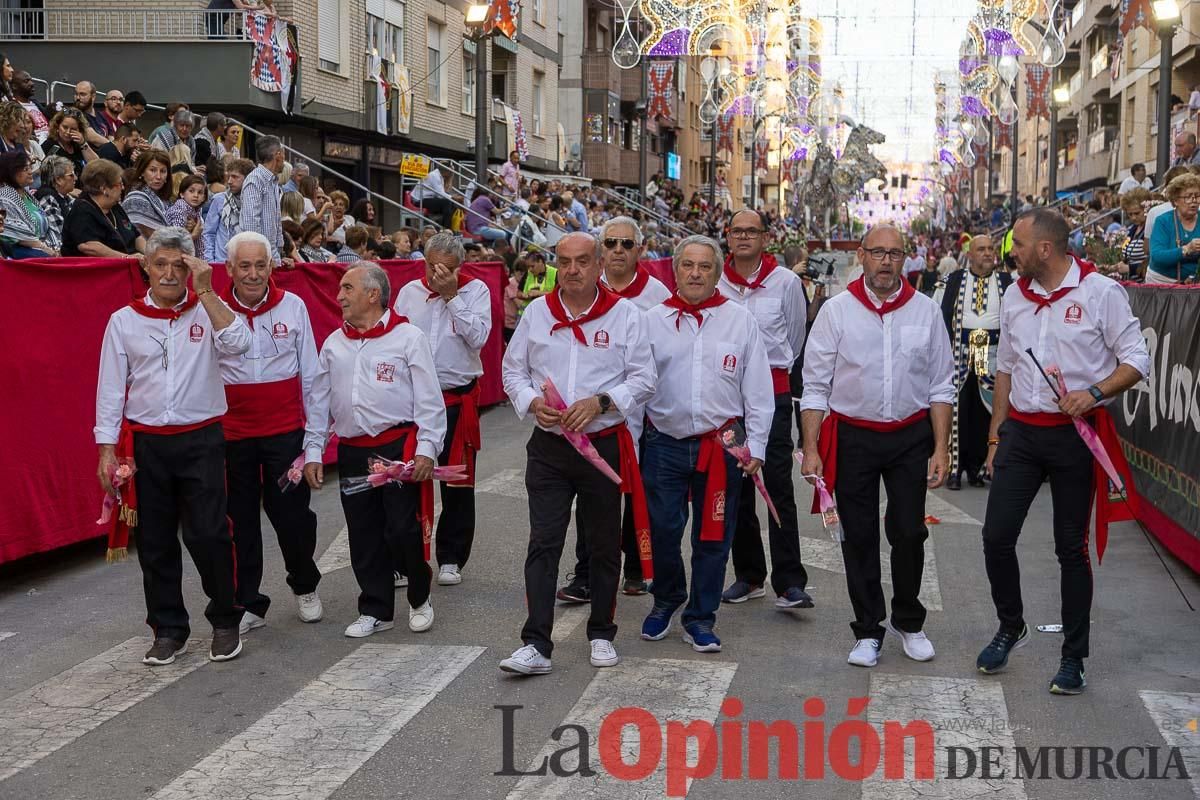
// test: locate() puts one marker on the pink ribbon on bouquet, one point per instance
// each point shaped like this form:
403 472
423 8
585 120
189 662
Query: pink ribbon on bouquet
1089 436
578 439
294 474
824 498
119 474
742 453
382 471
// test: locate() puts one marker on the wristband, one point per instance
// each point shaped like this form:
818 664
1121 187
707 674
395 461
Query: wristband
203 292
993 440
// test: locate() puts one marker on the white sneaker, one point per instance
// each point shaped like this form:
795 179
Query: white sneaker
249 622
420 619
399 581
865 653
366 625
309 607
603 653
448 575
526 661
916 645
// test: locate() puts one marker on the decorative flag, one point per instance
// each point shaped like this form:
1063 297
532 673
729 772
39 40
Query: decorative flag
502 16
659 99
725 133
1004 137
520 144
1135 13
375 75
272 65
404 91
1115 59
761 147
1037 91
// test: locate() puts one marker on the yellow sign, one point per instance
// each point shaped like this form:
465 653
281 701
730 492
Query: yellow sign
414 165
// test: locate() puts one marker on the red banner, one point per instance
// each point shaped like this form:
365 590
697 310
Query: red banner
52 323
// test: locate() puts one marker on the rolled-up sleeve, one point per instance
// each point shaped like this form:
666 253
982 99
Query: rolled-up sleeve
232 340
1123 331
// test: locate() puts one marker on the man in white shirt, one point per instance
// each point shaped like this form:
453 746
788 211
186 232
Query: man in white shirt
269 393
878 392
377 389
775 296
713 370
431 196
1136 180
914 265
159 375
455 314
592 346
1071 317
621 240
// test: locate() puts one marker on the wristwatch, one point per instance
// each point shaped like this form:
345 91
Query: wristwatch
1095 392
605 403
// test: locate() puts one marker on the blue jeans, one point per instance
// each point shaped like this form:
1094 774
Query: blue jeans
669 474
491 234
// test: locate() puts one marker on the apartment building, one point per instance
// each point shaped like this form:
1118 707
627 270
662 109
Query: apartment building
171 51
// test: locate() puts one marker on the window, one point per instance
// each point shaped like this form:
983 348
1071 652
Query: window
329 35
435 83
385 33
468 84
538 109
537 12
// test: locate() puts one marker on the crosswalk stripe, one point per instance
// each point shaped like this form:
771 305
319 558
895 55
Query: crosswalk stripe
506 482
6 635
1175 714
948 513
669 689
567 620
313 742
56 712
963 712
826 554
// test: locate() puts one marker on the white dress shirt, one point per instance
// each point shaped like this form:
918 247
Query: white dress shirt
1087 333
710 373
653 293
456 331
880 369
616 361
170 368
990 318
781 310
366 386
281 346
1130 183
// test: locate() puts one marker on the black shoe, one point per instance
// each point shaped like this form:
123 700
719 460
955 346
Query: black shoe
975 480
1069 679
574 592
634 587
163 651
226 644
954 483
995 656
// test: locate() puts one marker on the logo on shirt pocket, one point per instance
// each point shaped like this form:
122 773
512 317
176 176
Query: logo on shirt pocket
279 330
729 364
385 373
600 340
1074 314
196 332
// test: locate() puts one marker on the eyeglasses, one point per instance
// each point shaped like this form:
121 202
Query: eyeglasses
879 254
162 343
628 244
268 347
745 233
1190 198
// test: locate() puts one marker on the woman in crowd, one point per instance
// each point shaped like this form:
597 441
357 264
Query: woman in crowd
312 242
1134 203
68 138
229 143
147 203
185 212
97 225
364 212
214 173
928 278
336 218
25 224
291 234
479 218
55 197
513 305
308 188
556 226
1175 240
291 206
6 74
12 121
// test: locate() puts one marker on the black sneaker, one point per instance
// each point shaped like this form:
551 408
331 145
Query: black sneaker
1069 679
574 592
995 656
634 587
163 651
226 644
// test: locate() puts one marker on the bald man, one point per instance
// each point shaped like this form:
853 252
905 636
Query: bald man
971 310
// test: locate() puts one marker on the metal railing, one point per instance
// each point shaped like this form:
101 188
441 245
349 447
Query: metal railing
121 24
466 175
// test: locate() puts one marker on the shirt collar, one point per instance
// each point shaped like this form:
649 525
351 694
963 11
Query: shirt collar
150 301
586 310
256 305
1069 282
874 298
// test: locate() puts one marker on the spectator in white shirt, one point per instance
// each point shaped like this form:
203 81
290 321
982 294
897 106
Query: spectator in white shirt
1136 179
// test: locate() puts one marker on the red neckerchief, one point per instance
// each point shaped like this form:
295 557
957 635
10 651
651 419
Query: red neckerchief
1085 268
859 289
682 307
463 280
374 333
605 300
765 268
273 298
154 312
641 277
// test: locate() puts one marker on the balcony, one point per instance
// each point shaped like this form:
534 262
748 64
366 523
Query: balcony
602 162
142 47
1095 156
599 72
630 165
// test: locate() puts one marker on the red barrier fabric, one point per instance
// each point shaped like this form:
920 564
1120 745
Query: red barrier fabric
662 269
53 320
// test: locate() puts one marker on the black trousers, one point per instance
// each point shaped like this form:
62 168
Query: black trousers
180 481
632 569
252 470
749 561
974 422
456 525
437 205
383 530
901 459
556 475
1026 456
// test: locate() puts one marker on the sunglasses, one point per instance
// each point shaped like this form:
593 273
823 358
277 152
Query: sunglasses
628 244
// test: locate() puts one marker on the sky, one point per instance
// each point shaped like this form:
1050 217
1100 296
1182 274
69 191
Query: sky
885 52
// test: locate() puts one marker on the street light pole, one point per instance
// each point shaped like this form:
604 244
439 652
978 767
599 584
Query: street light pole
1016 193
712 168
1166 36
481 111
1052 145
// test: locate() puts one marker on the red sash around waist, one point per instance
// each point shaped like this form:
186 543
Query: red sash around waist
827 442
781 380
467 439
631 484
263 409
711 461
385 437
1040 419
